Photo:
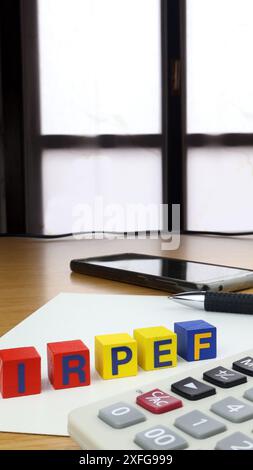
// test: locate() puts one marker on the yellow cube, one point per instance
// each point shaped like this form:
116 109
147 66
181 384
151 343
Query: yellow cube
157 347
116 355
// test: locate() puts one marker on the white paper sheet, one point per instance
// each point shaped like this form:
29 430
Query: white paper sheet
80 316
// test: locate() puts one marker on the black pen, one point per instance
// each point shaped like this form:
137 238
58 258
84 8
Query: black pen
227 302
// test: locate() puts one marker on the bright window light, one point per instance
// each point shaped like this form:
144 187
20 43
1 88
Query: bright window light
100 66
219 66
100 73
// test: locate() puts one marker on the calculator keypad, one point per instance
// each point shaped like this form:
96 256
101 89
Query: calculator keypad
233 410
181 423
160 438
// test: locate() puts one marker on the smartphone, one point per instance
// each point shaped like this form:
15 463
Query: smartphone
167 274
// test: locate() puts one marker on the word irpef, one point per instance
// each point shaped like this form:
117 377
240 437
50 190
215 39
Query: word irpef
116 355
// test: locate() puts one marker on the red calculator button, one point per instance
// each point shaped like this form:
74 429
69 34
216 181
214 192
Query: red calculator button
158 401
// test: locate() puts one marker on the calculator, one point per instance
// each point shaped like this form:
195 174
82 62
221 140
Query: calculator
208 408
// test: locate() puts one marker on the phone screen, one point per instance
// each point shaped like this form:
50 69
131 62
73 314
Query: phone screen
170 268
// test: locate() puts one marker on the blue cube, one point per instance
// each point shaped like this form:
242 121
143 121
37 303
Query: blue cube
196 340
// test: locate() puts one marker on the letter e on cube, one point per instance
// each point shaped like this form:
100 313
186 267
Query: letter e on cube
157 347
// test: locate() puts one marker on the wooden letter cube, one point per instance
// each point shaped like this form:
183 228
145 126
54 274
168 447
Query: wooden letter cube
20 372
68 364
115 355
157 347
196 340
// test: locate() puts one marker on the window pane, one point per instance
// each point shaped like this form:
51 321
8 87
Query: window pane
100 66
220 189
220 66
105 181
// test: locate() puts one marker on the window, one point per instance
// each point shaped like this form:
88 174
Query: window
219 115
100 109
92 93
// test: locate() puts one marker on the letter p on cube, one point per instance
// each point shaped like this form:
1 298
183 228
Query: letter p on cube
115 355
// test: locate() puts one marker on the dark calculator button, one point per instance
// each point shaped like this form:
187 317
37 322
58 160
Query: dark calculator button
244 365
192 389
224 378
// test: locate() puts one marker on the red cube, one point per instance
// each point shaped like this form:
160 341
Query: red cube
156 401
20 372
68 364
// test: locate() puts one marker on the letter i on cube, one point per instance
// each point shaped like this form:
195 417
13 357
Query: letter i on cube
115 356
157 347
20 372
68 364
196 340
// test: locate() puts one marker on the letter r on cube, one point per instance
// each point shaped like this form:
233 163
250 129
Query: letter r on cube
68 364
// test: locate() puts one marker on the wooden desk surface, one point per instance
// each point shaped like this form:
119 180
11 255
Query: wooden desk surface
33 272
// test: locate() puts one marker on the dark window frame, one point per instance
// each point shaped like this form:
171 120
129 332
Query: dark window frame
12 116
173 30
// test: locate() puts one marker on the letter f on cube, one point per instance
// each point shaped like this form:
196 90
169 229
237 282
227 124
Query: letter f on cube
196 340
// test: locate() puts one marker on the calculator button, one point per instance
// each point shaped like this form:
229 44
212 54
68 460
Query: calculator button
233 410
158 401
248 394
192 389
237 441
223 377
160 438
244 365
199 425
121 415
